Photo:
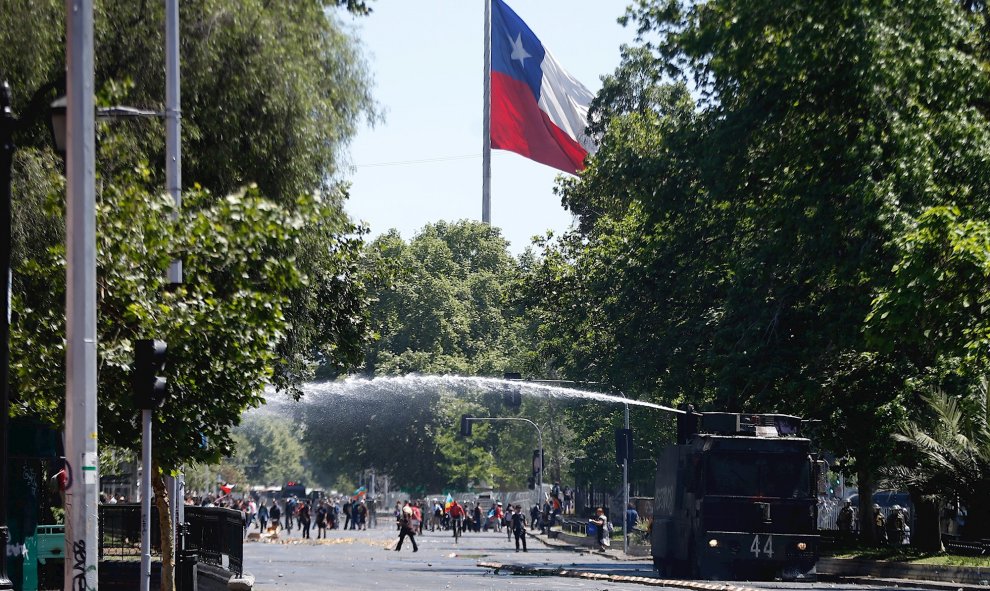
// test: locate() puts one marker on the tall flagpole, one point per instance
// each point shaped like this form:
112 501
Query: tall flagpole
486 150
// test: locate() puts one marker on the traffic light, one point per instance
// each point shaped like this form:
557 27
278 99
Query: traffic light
537 463
623 446
150 387
466 425
512 397
531 483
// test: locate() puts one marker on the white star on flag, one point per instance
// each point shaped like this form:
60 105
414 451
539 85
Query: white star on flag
518 51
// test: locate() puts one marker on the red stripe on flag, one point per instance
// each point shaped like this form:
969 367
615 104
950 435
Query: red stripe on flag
518 125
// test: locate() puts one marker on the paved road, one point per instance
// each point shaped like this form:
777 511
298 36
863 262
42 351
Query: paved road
358 560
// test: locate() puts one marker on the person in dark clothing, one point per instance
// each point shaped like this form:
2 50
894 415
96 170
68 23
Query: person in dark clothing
347 513
263 517
518 524
632 516
276 515
534 517
290 513
477 518
321 521
360 516
304 519
406 528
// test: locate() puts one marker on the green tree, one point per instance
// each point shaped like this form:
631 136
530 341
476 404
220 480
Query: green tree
270 452
271 95
954 454
731 240
449 306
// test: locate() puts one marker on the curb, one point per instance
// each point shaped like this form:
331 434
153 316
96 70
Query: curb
573 574
907 583
562 544
244 583
954 577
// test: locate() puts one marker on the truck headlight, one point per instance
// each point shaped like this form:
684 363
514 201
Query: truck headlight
713 543
802 546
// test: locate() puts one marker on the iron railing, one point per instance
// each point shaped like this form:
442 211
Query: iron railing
956 545
215 533
120 532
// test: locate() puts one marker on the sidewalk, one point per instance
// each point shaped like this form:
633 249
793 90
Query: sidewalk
866 572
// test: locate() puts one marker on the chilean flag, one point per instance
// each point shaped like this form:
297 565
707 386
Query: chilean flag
537 108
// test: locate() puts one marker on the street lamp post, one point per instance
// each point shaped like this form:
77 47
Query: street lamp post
625 486
81 431
7 123
625 459
539 434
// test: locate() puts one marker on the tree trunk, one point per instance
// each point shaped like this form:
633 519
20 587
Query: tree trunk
165 525
867 532
926 532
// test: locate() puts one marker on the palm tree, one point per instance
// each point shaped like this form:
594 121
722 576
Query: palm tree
953 455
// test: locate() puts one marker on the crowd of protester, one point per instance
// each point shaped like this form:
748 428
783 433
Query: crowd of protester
283 515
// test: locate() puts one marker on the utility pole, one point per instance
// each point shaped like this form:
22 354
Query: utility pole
7 122
145 584
539 434
625 490
173 116
82 473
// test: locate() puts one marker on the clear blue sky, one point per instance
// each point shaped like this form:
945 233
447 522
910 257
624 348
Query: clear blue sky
426 59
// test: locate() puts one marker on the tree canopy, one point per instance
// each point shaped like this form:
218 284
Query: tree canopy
448 306
745 230
270 97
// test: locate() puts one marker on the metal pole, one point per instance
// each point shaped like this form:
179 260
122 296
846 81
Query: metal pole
146 500
7 122
180 496
80 358
486 147
539 475
539 434
625 491
173 115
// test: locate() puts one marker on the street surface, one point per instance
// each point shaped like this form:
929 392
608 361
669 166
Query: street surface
361 560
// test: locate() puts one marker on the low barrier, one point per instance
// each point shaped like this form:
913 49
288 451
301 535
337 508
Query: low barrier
216 533
956 545
120 532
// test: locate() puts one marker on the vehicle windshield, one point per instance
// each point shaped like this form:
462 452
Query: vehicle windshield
779 475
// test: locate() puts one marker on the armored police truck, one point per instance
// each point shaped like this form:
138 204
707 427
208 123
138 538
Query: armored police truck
736 499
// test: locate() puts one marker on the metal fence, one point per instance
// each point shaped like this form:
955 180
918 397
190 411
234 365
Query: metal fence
216 533
120 532
956 545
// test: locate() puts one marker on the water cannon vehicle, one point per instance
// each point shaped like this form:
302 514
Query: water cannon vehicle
736 499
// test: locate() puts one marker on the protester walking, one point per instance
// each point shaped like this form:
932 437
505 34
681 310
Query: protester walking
304 519
276 515
517 523
321 520
263 517
405 528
